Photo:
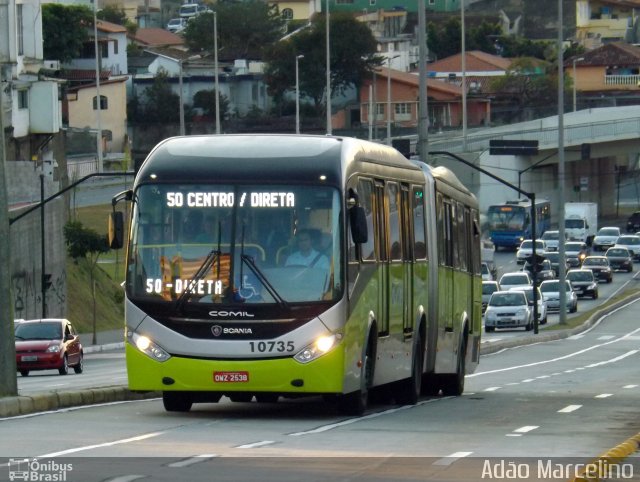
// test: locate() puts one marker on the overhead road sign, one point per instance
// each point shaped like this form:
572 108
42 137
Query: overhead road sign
499 147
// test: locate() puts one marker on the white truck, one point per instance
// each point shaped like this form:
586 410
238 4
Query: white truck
581 221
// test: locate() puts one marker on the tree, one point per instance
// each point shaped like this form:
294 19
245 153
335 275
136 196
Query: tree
529 83
113 14
206 100
244 28
353 56
64 30
85 245
160 104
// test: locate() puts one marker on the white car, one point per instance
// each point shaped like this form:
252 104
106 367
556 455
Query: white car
550 289
515 279
508 309
526 249
486 272
605 238
631 242
552 240
176 24
488 288
542 303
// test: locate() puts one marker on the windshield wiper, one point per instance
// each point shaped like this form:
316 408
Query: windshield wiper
202 271
263 279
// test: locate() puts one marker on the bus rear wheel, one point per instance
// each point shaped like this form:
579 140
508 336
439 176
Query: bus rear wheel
454 384
409 389
176 401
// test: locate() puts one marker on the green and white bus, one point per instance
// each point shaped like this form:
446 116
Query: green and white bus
218 301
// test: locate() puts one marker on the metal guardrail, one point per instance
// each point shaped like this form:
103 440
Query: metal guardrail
547 137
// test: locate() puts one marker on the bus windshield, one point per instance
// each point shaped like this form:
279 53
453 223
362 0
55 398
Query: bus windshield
230 244
501 218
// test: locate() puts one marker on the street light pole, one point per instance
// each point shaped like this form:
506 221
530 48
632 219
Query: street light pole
181 97
98 99
215 68
328 73
389 59
298 57
561 180
464 79
575 96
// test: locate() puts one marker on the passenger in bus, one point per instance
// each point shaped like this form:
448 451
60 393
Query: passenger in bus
192 226
306 255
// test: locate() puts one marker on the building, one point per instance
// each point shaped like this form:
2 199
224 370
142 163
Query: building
609 75
396 101
603 21
35 161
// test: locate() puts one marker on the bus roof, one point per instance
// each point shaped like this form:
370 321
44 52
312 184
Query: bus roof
265 157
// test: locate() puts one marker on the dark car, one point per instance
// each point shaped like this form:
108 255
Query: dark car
620 259
554 259
48 344
633 223
600 267
583 282
575 252
546 270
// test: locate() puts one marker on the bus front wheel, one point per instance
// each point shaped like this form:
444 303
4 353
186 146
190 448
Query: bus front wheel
355 403
176 401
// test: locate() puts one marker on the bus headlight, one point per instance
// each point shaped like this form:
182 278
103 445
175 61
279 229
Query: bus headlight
148 347
316 349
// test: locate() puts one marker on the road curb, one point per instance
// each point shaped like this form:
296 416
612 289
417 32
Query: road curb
600 468
42 402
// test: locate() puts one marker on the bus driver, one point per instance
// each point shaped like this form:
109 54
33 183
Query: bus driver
306 255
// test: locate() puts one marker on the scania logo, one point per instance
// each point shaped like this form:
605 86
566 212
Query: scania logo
217 330
231 314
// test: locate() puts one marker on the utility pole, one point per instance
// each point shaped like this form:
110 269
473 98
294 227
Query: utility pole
8 381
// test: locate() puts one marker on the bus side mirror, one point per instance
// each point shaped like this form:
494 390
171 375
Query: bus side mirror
116 230
358 222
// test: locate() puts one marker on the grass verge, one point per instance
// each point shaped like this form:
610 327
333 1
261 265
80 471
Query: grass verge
580 318
109 295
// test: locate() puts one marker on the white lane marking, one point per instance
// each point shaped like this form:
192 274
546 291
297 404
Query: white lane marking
492 389
191 460
527 380
542 377
551 360
526 428
630 386
349 421
256 444
569 371
71 409
575 337
449 459
612 360
604 395
606 337
569 408
106 444
513 435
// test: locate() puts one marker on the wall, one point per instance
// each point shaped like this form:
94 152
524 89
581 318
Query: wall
26 274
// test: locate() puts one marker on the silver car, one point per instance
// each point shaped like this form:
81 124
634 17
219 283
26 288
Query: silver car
550 290
542 303
508 309
488 288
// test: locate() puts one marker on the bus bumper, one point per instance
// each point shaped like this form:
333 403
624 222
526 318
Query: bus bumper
281 375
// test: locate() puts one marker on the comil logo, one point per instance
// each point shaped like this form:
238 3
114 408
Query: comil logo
231 314
35 470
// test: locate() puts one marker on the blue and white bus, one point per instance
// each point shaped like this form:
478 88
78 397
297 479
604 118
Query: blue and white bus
510 223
